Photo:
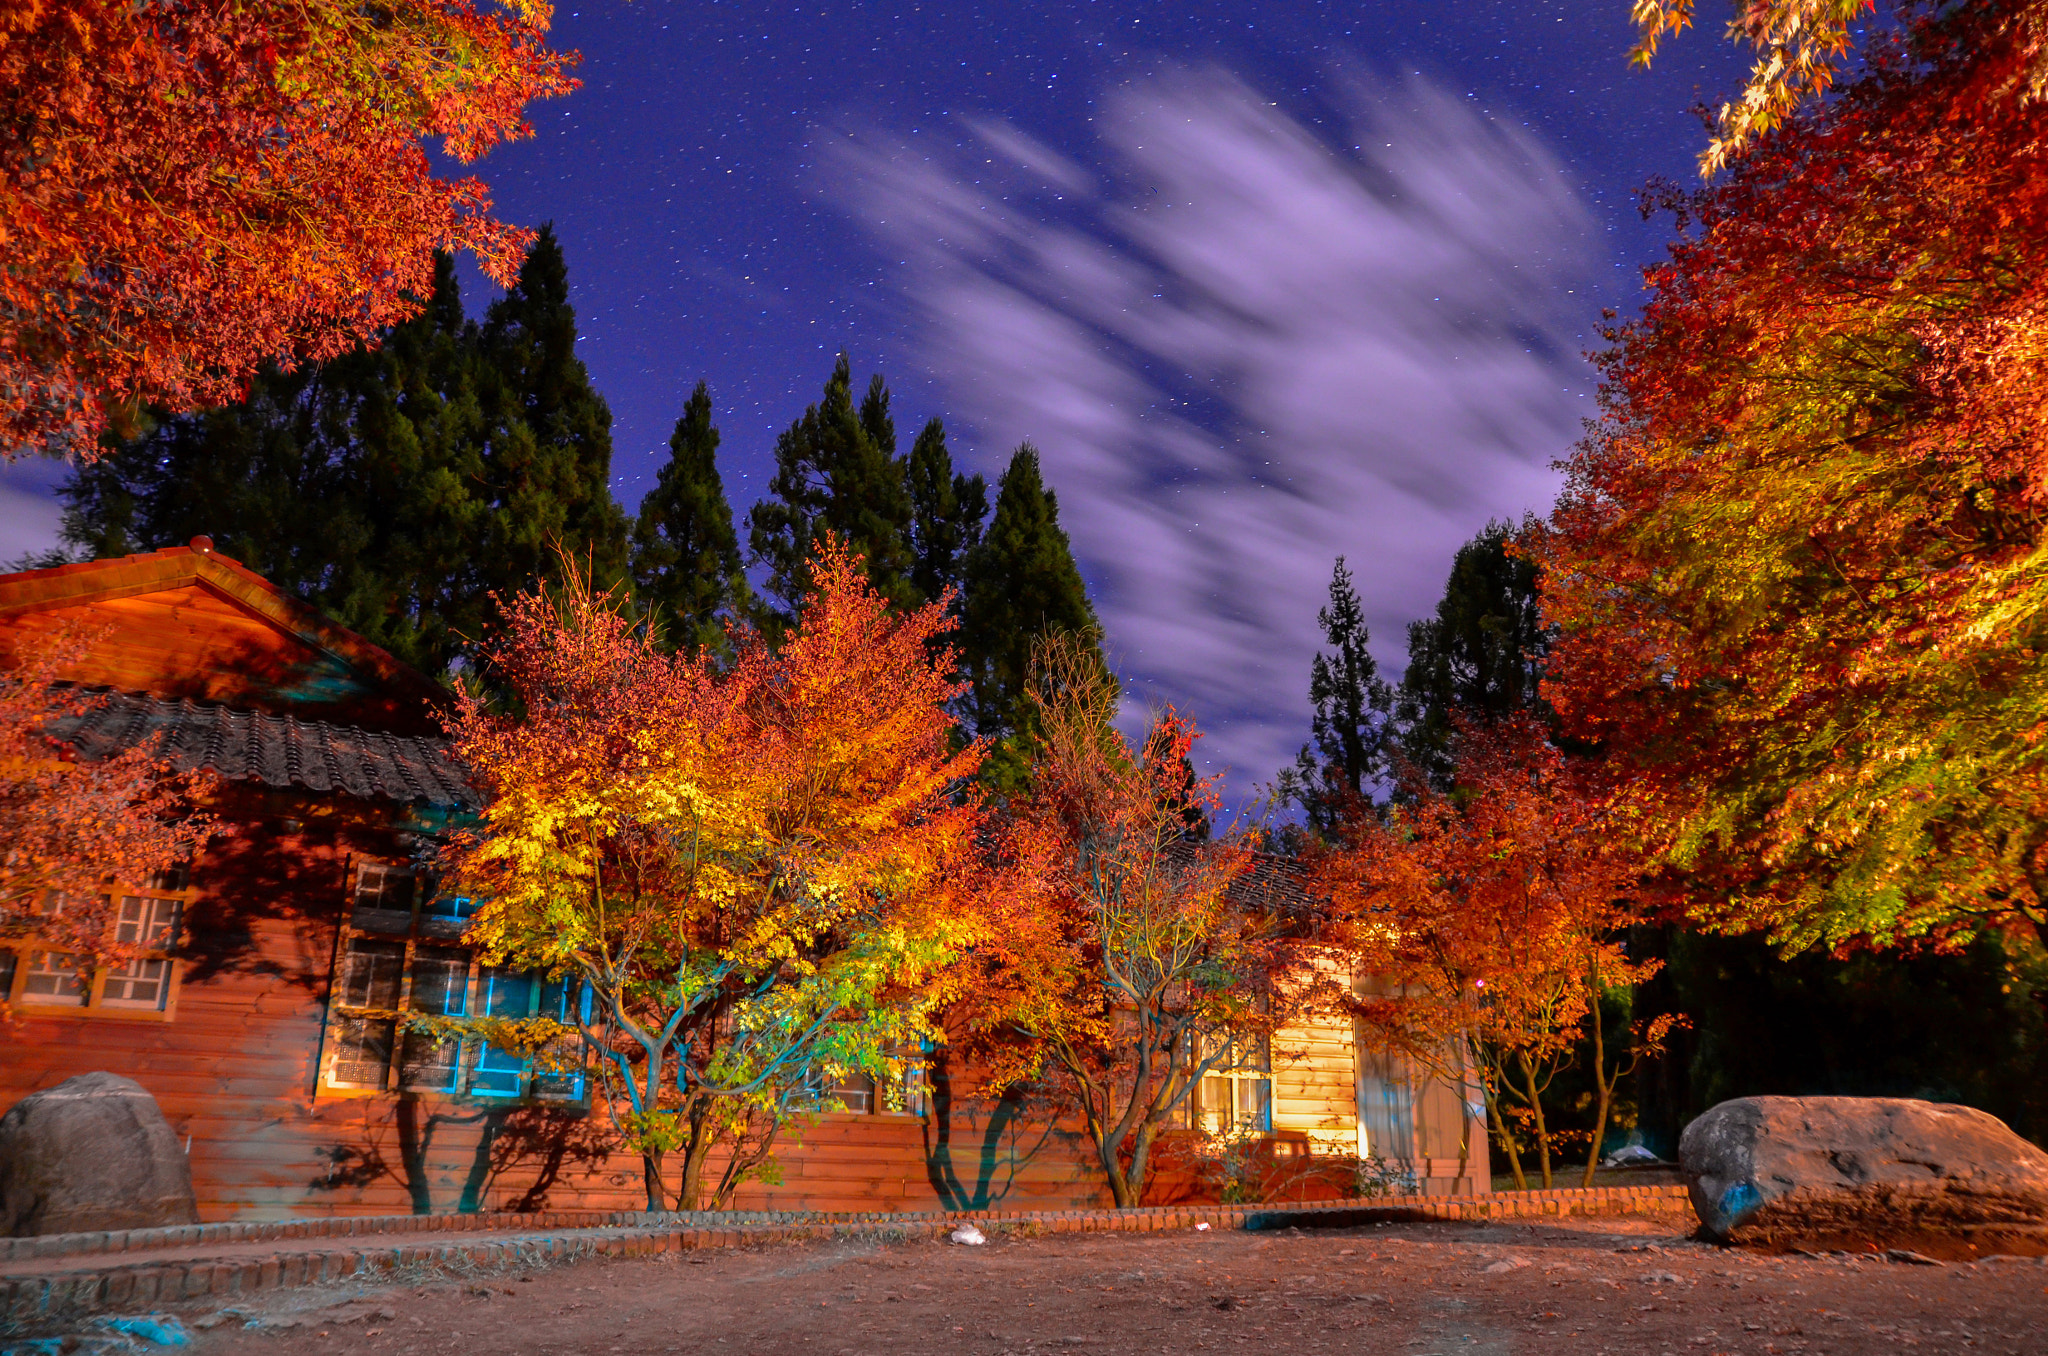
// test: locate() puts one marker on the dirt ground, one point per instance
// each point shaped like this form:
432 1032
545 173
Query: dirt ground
1620 1286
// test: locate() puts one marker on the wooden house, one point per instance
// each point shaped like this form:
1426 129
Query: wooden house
264 1018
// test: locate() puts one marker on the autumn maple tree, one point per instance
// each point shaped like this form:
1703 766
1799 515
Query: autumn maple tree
1488 920
1799 570
1129 964
73 829
188 190
1801 43
755 864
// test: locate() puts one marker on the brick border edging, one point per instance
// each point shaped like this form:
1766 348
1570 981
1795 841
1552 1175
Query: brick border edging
31 1299
353 1226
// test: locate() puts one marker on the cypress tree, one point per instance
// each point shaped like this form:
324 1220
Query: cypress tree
350 483
548 455
1481 654
946 515
397 486
686 555
1022 584
1335 774
836 472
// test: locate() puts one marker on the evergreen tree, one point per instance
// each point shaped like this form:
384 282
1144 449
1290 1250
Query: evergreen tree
1480 655
686 555
836 472
1336 773
946 515
1022 584
548 454
350 483
396 487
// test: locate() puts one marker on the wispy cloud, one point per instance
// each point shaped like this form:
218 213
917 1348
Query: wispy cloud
30 514
1244 350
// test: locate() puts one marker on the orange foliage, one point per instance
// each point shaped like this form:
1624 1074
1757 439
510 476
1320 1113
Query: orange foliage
188 190
1121 962
1489 919
761 867
68 829
1799 572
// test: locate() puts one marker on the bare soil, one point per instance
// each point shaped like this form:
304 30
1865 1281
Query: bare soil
1624 1286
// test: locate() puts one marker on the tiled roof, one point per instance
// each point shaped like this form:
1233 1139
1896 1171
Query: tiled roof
1275 884
280 751
1270 883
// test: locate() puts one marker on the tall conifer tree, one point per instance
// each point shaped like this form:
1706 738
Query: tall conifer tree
396 487
947 511
352 483
1346 760
836 472
686 555
548 458
1022 583
1480 655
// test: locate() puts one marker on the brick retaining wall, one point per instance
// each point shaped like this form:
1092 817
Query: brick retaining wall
119 1271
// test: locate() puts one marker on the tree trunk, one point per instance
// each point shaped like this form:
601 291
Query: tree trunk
697 1153
1141 1160
1603 1091
1119 1185
1536 1110
1507 1141
650 1174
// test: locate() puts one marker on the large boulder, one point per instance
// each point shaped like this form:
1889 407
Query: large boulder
92 1153
1780 1170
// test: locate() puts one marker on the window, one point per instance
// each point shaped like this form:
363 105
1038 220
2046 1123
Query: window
53 978
147 920
1236 1092
145 982
399 954
861 1094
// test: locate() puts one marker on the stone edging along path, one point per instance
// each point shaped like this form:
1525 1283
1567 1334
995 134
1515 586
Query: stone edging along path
65 1275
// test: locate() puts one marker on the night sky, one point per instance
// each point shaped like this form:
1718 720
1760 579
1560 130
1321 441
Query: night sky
1265 282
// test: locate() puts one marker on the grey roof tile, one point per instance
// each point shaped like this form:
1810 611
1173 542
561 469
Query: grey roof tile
279 751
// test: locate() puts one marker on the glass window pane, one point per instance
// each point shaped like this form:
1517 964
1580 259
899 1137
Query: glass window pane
53 978
9 962
169 880
564 999
1212 1104
558 1073
440 981
446 915
362 1051
504 992
383 898
1255 1103
147 922
370 974
498 1072
428 1065
138 984
855 1092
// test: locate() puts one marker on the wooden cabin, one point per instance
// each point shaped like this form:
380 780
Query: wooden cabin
263 1020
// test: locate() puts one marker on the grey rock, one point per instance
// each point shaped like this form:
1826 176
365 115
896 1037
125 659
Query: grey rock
1780 1169
92 1153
